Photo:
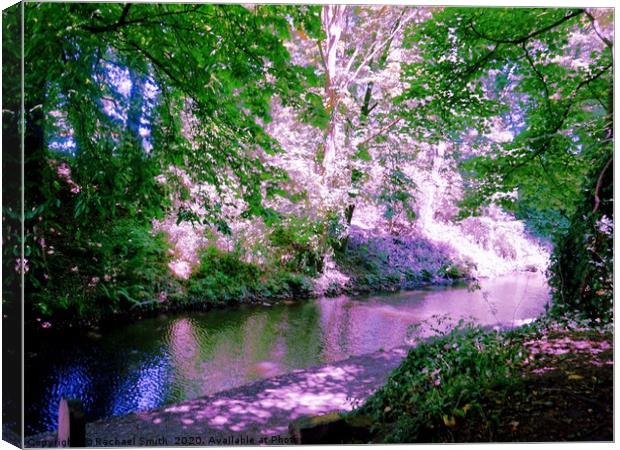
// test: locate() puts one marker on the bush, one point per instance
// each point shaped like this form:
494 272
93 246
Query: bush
299 245
224 277
452 272
442 381
582 261
99 271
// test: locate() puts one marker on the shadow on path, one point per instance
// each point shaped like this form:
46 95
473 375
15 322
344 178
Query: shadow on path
262 409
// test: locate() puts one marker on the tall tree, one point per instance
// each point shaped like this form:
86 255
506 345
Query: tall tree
79 60
544 79
357 96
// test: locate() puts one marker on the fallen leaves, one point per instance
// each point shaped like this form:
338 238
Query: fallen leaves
449 421
513 426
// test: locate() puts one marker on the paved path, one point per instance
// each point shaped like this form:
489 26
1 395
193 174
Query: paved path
252 414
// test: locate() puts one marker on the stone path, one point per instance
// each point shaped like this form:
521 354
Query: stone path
257 413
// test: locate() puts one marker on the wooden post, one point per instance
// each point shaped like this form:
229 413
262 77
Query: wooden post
71 424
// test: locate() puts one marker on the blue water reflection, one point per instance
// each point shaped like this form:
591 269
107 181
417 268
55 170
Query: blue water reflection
172 358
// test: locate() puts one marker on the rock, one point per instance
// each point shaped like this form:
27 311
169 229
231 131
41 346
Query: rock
332 428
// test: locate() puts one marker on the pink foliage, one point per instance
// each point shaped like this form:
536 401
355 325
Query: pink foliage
21 265
64 172
180 269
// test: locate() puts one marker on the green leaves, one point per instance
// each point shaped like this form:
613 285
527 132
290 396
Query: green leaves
315 113
441 381
483 69
363 154
106 77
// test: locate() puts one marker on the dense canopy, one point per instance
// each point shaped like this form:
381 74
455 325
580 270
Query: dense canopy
284 130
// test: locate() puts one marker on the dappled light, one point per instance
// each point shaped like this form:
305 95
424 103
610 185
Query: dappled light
265 408
548 346
227 219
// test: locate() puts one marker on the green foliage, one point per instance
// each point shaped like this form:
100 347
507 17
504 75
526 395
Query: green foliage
223 277
442 381
519 67
315 113
396 195
336 230
299 245
90 274
480 65
452 271
209 91
582 261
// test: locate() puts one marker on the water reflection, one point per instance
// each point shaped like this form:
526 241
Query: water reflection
169 359
143 388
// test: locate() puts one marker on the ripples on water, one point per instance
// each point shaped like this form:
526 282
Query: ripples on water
173 358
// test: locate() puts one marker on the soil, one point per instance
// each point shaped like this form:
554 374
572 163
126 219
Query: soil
566 394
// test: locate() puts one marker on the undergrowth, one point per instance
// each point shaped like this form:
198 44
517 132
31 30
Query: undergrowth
223 277
441 382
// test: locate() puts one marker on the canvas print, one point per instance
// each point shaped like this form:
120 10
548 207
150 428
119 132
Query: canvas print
278 224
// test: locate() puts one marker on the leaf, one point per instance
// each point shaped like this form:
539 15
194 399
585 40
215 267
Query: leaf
449 421
513 426
363 154
575 377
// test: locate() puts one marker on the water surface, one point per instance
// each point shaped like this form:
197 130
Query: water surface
168 359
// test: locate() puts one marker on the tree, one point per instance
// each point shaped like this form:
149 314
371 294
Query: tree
543 77
78 56
358 100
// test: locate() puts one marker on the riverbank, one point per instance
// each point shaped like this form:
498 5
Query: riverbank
369 265
245 415
560 388
550 381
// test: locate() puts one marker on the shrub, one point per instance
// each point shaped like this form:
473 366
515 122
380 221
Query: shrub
442 381
97 271
452 271
582 261
224 277
299 245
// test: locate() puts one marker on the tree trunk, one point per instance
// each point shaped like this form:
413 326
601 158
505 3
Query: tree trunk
333 23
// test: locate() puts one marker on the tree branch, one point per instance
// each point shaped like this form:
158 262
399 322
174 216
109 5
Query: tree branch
122 21
382 130
530 35
119 23
471 70
380 46
599 184
539 75
607 42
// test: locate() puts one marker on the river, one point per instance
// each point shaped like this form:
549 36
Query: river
171 358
